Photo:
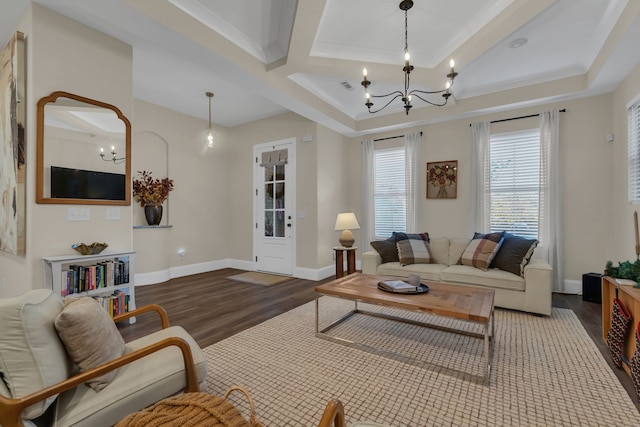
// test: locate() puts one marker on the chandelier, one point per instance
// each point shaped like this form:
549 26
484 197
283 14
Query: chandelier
113 158
408 94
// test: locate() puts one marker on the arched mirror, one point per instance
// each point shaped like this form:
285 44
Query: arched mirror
83 152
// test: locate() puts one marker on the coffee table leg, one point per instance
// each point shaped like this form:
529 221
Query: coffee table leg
489 342
317 314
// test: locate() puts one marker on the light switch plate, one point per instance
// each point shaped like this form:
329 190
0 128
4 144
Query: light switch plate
78 214
112 214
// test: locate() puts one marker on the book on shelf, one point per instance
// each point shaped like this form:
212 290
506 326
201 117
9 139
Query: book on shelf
77 278
398 286
626 282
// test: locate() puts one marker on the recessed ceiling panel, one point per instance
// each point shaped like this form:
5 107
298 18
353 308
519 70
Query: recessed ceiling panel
262 28
373 30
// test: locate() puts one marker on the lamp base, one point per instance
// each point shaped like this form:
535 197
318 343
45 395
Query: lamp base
346 238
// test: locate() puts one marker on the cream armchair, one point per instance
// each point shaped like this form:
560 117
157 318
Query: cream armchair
40 385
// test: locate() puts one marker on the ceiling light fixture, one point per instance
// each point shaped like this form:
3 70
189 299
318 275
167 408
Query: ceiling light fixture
407 94
114 158
210 134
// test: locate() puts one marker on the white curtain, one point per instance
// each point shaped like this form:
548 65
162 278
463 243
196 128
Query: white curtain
368 213
550 215
479 207
412 143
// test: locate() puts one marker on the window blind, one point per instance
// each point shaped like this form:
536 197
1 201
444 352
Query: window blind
389 192
634 152
515 182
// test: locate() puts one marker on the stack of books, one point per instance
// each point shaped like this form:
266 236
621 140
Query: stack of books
399 286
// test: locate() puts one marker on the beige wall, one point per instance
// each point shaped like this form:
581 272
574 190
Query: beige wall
65 55
172 144
587 165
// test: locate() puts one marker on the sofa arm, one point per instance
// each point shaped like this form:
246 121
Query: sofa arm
370 262
538 282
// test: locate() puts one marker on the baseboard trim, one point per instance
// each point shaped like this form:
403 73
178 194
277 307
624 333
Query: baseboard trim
572 287
155 277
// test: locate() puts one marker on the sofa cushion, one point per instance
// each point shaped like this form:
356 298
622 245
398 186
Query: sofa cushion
514 254
457 245
32 356
426 271
439 247
492 278
387 249
482 249
136 386
91 337
412 251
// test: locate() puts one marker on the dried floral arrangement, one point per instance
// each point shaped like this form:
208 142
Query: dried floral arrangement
149 191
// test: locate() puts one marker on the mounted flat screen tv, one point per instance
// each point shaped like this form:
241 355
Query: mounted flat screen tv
82 184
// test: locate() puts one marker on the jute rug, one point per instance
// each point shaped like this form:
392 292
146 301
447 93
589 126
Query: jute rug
546 372
257 278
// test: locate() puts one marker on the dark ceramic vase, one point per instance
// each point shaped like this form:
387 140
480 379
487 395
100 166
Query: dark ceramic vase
153 214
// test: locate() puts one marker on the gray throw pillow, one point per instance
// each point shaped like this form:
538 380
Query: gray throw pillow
90 337
514 254
387 249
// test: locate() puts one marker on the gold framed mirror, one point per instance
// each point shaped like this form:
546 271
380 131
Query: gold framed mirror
83 152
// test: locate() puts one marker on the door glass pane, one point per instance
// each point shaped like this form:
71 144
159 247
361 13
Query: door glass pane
279 225
268 173
268 196
280 172
268 223
280 195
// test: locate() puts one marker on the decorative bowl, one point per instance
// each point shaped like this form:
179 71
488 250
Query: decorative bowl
92 249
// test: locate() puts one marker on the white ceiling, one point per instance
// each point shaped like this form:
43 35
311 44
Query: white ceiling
264 57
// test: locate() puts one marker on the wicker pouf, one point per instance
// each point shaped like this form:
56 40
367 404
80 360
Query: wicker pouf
192 410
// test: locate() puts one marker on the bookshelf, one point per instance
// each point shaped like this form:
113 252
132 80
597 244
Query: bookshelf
108 277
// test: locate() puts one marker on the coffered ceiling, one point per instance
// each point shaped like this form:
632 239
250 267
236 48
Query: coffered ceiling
264 57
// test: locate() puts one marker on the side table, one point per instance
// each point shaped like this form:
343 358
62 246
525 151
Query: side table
351 260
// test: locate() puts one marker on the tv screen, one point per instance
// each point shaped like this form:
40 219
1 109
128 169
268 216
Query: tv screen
82 184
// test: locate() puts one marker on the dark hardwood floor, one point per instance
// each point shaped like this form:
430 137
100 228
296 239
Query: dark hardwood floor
211 308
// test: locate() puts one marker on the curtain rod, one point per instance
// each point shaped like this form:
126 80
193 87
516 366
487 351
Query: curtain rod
391 137
564 110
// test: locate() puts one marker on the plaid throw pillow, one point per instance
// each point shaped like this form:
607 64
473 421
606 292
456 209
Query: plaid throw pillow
482 249
411 251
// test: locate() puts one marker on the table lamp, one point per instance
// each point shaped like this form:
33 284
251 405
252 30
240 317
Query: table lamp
346 222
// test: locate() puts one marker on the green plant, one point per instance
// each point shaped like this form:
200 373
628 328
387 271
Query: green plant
149 191
624 270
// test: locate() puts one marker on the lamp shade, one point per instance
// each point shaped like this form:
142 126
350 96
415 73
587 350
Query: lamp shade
347 221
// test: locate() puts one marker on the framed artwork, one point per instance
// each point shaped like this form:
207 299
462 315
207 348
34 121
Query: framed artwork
12 146
442 180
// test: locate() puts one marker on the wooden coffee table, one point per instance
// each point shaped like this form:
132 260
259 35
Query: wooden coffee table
464 303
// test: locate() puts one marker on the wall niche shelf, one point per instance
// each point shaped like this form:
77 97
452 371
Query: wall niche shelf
108 275
152 226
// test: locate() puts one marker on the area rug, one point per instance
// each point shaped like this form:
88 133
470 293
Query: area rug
257 278
546 372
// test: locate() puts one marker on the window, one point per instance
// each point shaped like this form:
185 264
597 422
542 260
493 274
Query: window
634 152
515 182
389 191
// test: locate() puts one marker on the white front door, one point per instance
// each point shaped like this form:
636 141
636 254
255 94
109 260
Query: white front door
274 181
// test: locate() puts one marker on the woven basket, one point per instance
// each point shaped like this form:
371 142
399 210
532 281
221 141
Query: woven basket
193 410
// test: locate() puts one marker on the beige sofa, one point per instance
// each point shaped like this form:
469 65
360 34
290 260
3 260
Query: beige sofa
531 293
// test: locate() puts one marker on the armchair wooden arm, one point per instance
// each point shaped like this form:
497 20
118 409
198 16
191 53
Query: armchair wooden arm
10 409
164 317
333 415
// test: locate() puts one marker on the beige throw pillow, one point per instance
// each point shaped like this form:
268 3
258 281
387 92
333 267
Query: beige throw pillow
90 337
